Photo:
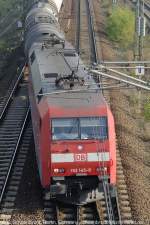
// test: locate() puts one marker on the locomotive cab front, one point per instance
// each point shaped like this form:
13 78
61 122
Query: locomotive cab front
82 147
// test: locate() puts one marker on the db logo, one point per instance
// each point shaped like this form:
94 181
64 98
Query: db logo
80 157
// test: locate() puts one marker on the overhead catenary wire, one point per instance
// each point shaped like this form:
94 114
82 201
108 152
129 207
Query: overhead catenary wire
144 87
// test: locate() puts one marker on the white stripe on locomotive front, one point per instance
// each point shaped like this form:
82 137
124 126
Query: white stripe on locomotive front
70 157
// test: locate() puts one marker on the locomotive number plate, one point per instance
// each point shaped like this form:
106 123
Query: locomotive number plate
80 157
81 170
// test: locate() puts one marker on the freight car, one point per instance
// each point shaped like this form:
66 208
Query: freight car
73 126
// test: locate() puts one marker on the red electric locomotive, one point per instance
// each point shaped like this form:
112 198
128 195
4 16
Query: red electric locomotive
73 126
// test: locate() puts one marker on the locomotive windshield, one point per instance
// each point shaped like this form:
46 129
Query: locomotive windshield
80 128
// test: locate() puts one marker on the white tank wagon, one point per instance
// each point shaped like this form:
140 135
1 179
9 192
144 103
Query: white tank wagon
42 24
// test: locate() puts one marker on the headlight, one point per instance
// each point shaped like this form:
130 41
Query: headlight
60 170
80 147
101 169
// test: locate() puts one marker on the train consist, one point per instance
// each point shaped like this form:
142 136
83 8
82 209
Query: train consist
73 126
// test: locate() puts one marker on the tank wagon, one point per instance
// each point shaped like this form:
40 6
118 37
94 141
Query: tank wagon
73 126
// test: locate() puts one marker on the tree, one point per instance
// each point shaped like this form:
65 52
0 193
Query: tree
121 25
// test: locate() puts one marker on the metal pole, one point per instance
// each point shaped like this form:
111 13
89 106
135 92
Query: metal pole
141 15
136 31
139 35
143 7
114 3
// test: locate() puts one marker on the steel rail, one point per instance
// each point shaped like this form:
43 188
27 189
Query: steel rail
94 56
78 22
11 93
14 155
109 206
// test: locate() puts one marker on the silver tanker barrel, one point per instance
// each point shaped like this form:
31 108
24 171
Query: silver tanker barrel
42 23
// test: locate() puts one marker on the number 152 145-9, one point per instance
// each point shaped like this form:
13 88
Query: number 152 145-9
81 170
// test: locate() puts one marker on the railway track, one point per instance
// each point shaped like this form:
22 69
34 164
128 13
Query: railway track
79 30
82 40
87 214
116 209
5 101
15 135
11 190
58 213
78 25
78 214
94 56
66 214
119 208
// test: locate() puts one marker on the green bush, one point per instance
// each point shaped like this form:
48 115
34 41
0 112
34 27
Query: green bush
147 111
121 25
3 46
6 5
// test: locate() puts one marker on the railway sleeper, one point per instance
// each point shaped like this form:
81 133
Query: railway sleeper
4 157
3 175
9 198
7 205
5 216
6 211
5 223
4 160
14 182
5 164
126 209
12 188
